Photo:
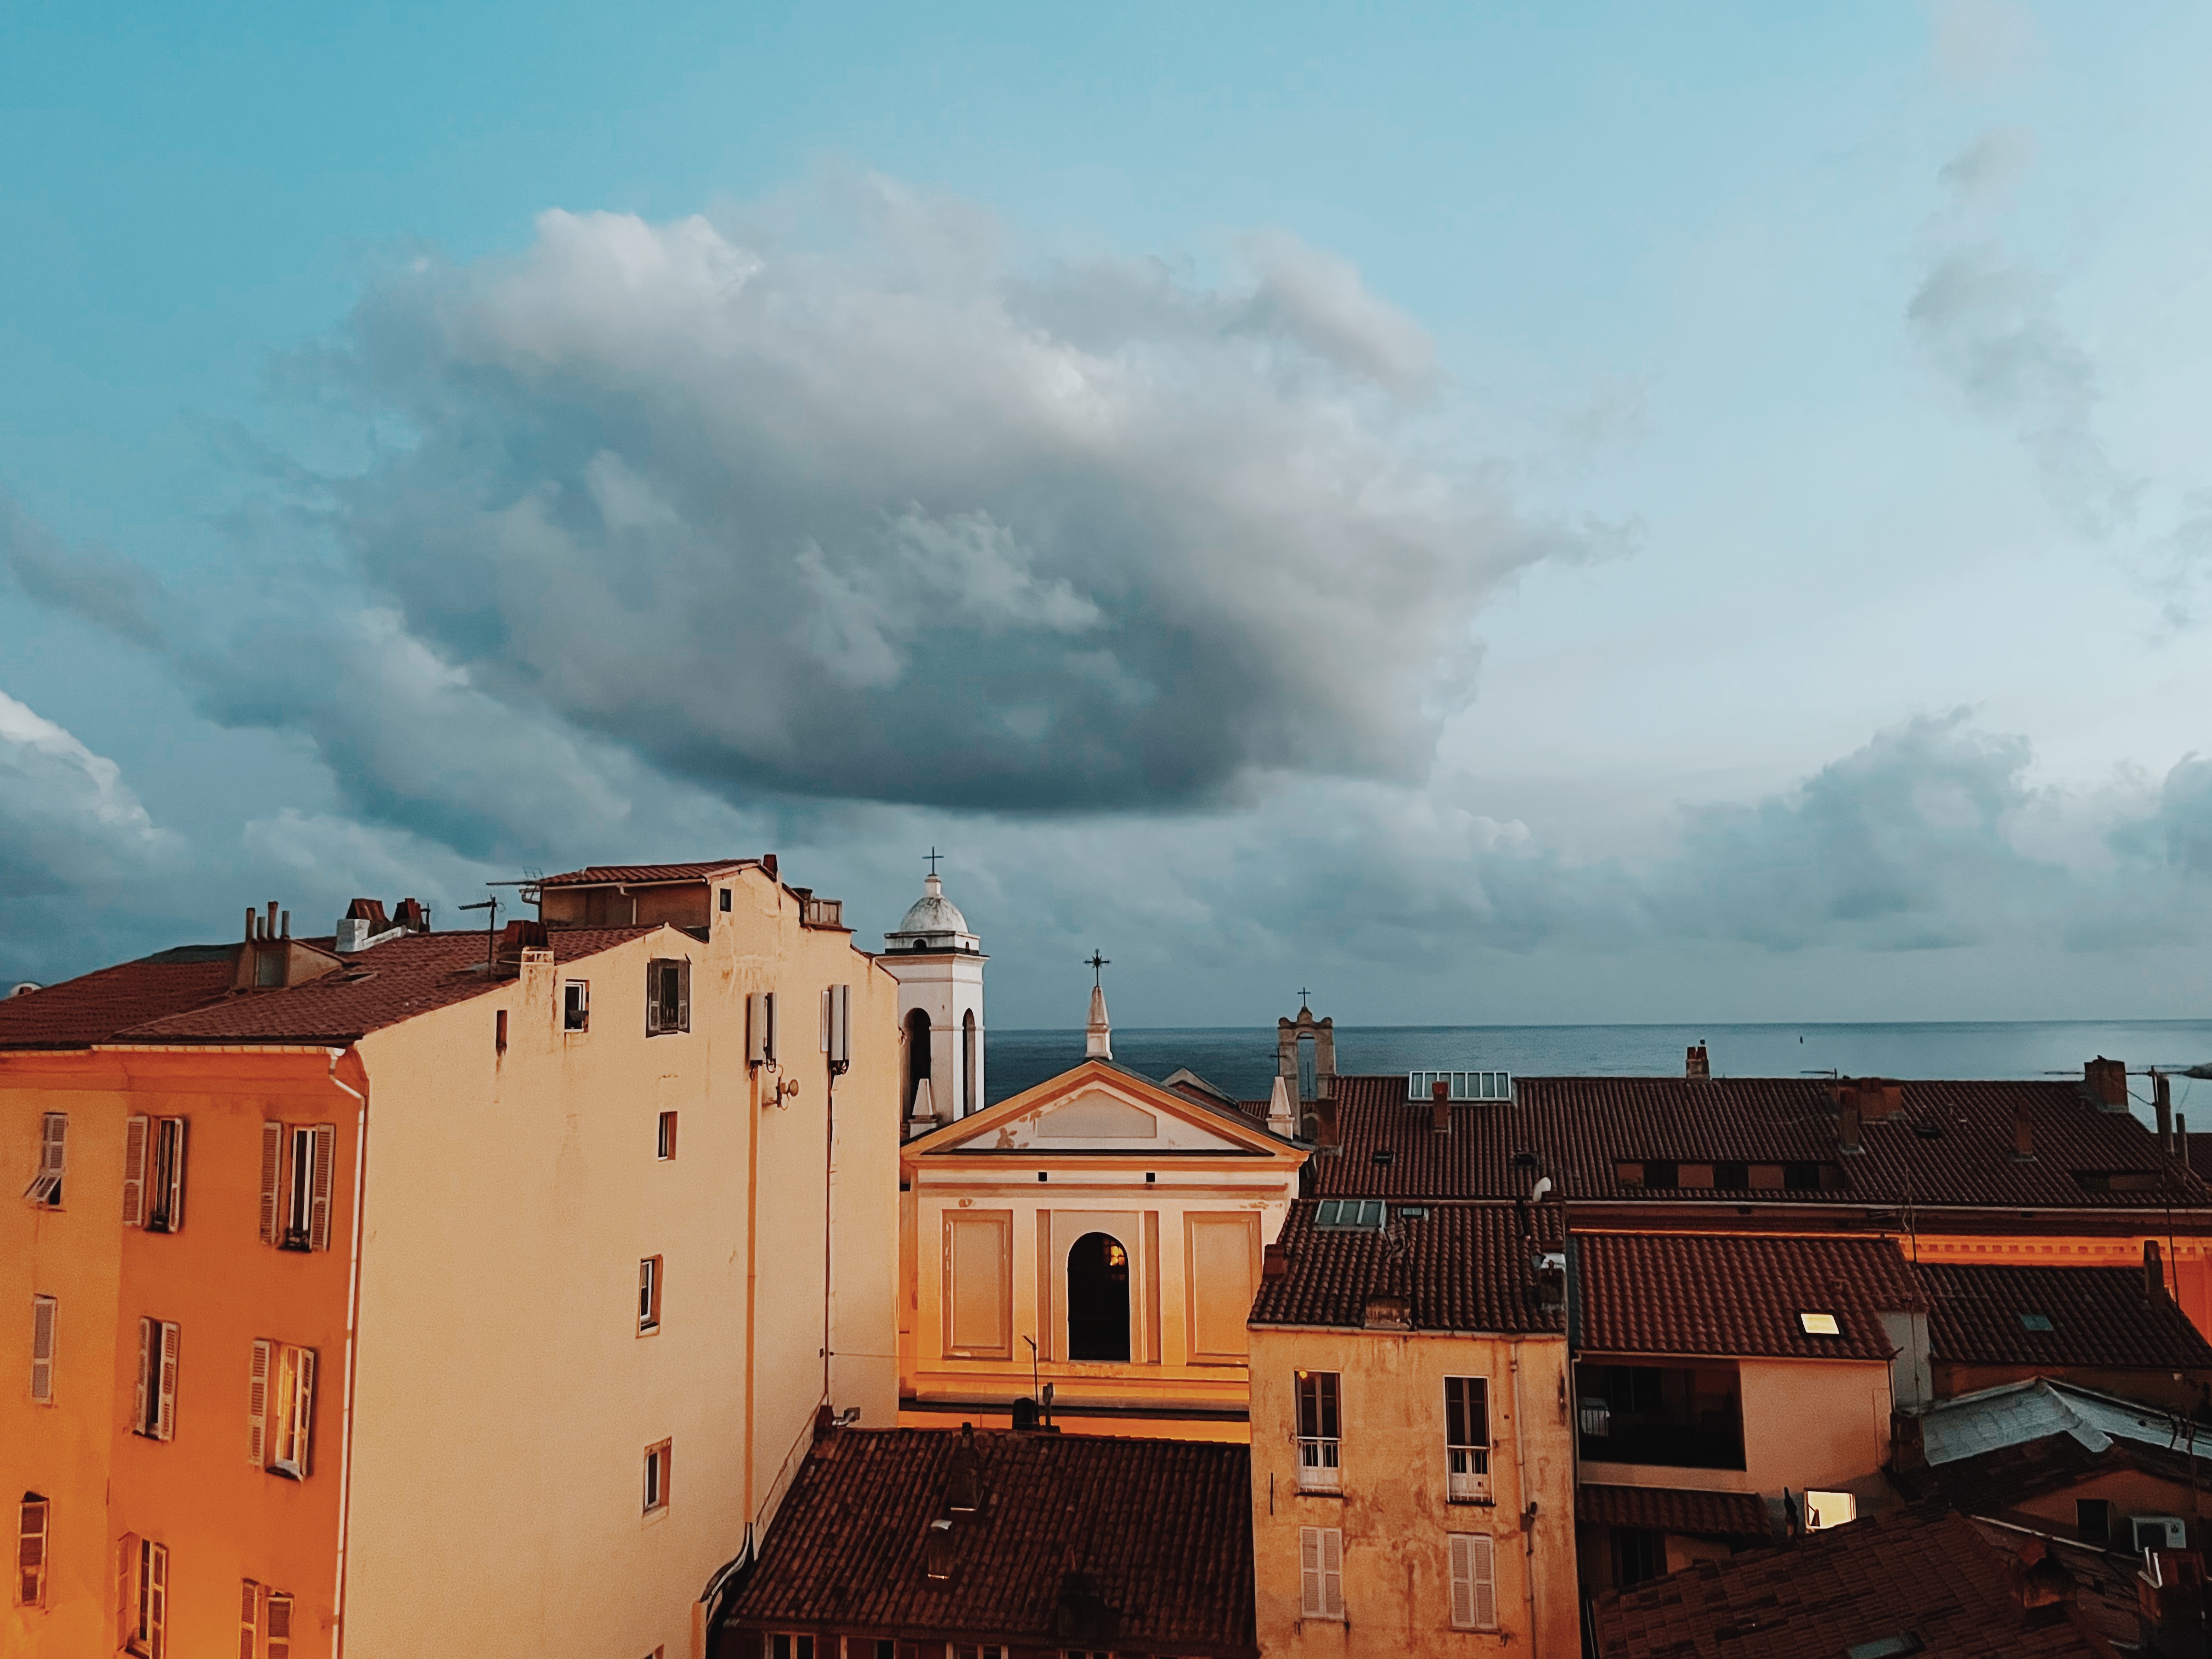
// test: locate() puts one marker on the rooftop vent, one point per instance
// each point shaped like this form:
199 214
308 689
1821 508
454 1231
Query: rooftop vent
1460 1085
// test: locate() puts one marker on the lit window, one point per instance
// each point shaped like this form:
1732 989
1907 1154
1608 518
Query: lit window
1819 1324
1824 1509
656 1478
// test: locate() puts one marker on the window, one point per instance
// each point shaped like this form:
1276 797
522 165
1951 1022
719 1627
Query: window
257 1616
656 1478
1334 1213
780 1646
499 1031
1676 1416
2035 1322
1819 1324
281 1408
917 1060
154 1174
31 1551
1319 1433
648 1296
1320 1572
969 1102
298 1162
664 1142
155 1415
667 996
1098 1300
576 1005
46 1186
726 901
2092 1521
142 1582
43 1309
1467 1437
1638 1556
1824 1509
1474 1580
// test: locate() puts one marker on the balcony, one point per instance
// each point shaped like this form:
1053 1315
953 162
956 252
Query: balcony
1467 1474
1683 1417
1320 1465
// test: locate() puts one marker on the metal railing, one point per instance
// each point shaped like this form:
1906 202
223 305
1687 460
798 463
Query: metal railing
1320 1465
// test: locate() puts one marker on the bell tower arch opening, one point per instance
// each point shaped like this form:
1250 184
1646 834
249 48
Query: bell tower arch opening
938 965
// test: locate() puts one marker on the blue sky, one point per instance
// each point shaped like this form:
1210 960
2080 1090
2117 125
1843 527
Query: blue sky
1503 512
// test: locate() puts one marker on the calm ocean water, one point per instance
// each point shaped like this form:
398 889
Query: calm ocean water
1243 1060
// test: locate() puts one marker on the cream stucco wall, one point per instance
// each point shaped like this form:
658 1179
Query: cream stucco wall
504 1399
1393 1511
1818 1423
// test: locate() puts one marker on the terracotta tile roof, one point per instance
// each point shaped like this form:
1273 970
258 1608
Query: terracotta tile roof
1925 1570
1162 1529
1684 1293
1951 1144
1664 1509
2198 1151
2104 1585
640 874
397 979
2097 1318
93 1008
2005 1478
1461 1267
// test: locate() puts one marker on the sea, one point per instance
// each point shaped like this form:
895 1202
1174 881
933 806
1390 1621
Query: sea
1240 1059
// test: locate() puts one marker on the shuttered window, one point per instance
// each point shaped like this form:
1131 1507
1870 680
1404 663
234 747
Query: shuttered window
298 1166
279 1408
249 1620
272 1168
135 1133
1473 1580
32 1551
46 1186
1320 1572
667 995
279 1627
319 1198
155 1415
142 1595
43 1310
164 1186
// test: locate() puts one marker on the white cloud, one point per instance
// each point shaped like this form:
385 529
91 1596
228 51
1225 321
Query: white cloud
67 818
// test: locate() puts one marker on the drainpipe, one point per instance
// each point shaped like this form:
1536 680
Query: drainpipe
353 1313
1528 1513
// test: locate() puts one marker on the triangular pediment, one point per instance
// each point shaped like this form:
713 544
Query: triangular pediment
1096 1107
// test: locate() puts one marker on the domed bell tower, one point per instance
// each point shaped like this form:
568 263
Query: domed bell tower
938 965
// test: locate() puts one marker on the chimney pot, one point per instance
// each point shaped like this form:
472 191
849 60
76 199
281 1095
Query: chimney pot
2161 1095
1274 1261
2107 1083
1697 1061
287 924
2023 1134
768 863
1440 1107
1847 1120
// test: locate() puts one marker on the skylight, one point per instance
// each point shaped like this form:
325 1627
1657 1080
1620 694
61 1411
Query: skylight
2035 1322
1886 1647
1819 1324
1337 1214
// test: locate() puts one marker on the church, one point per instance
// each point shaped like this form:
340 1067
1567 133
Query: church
1084 1252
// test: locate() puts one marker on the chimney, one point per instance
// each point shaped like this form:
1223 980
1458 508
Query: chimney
2170 1602
1847 1120
2041 1586
2154 1275
1274 1261
768 863
2107 1083
1440 1106
412 916
2023 1133
1908 1448
2161 1098
1696 1062
963 1484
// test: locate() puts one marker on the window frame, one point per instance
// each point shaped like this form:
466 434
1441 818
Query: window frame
30 1572
154 1416
792 1648
291 1431
651 1277
663 1138
164 1199
1478 1552
1324 1547
299 1184
45 1324
661 974
1466 1459
146 1614
49 1180
575 1007
1318 1420
658 1471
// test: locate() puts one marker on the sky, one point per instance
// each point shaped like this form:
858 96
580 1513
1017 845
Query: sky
1490 513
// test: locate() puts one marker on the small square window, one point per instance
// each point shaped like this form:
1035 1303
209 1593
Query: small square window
2035 1322
1819 1324
576 1005
656 1478
665 1137
726 901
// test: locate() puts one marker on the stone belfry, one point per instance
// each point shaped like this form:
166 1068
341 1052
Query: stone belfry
1305 1071
938 965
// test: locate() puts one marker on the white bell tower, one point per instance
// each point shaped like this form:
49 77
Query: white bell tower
938 965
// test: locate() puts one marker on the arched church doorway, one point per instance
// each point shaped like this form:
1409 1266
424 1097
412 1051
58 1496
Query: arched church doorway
917 1053
1098 1299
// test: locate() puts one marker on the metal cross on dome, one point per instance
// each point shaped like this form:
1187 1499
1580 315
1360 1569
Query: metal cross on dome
934 856
1096 964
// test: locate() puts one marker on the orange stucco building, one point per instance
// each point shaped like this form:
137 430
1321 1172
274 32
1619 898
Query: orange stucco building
408 1291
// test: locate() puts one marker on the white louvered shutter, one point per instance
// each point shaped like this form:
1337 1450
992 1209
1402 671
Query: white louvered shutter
319 1203
280 1626
147 1335
157 1601
1482 1571
166 1424
302 1408
1462 1580
53 1155
1332 1573
134 1172
272 1165
172 1200
249 1620
42 1349
683 994
257 1405
30 1553
126 1589
1309 1572
653 973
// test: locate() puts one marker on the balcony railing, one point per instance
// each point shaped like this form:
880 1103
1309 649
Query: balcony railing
1320 1468
1466 1473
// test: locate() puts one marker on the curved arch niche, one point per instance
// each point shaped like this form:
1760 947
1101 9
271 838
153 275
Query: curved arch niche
1098 1299
917 1053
